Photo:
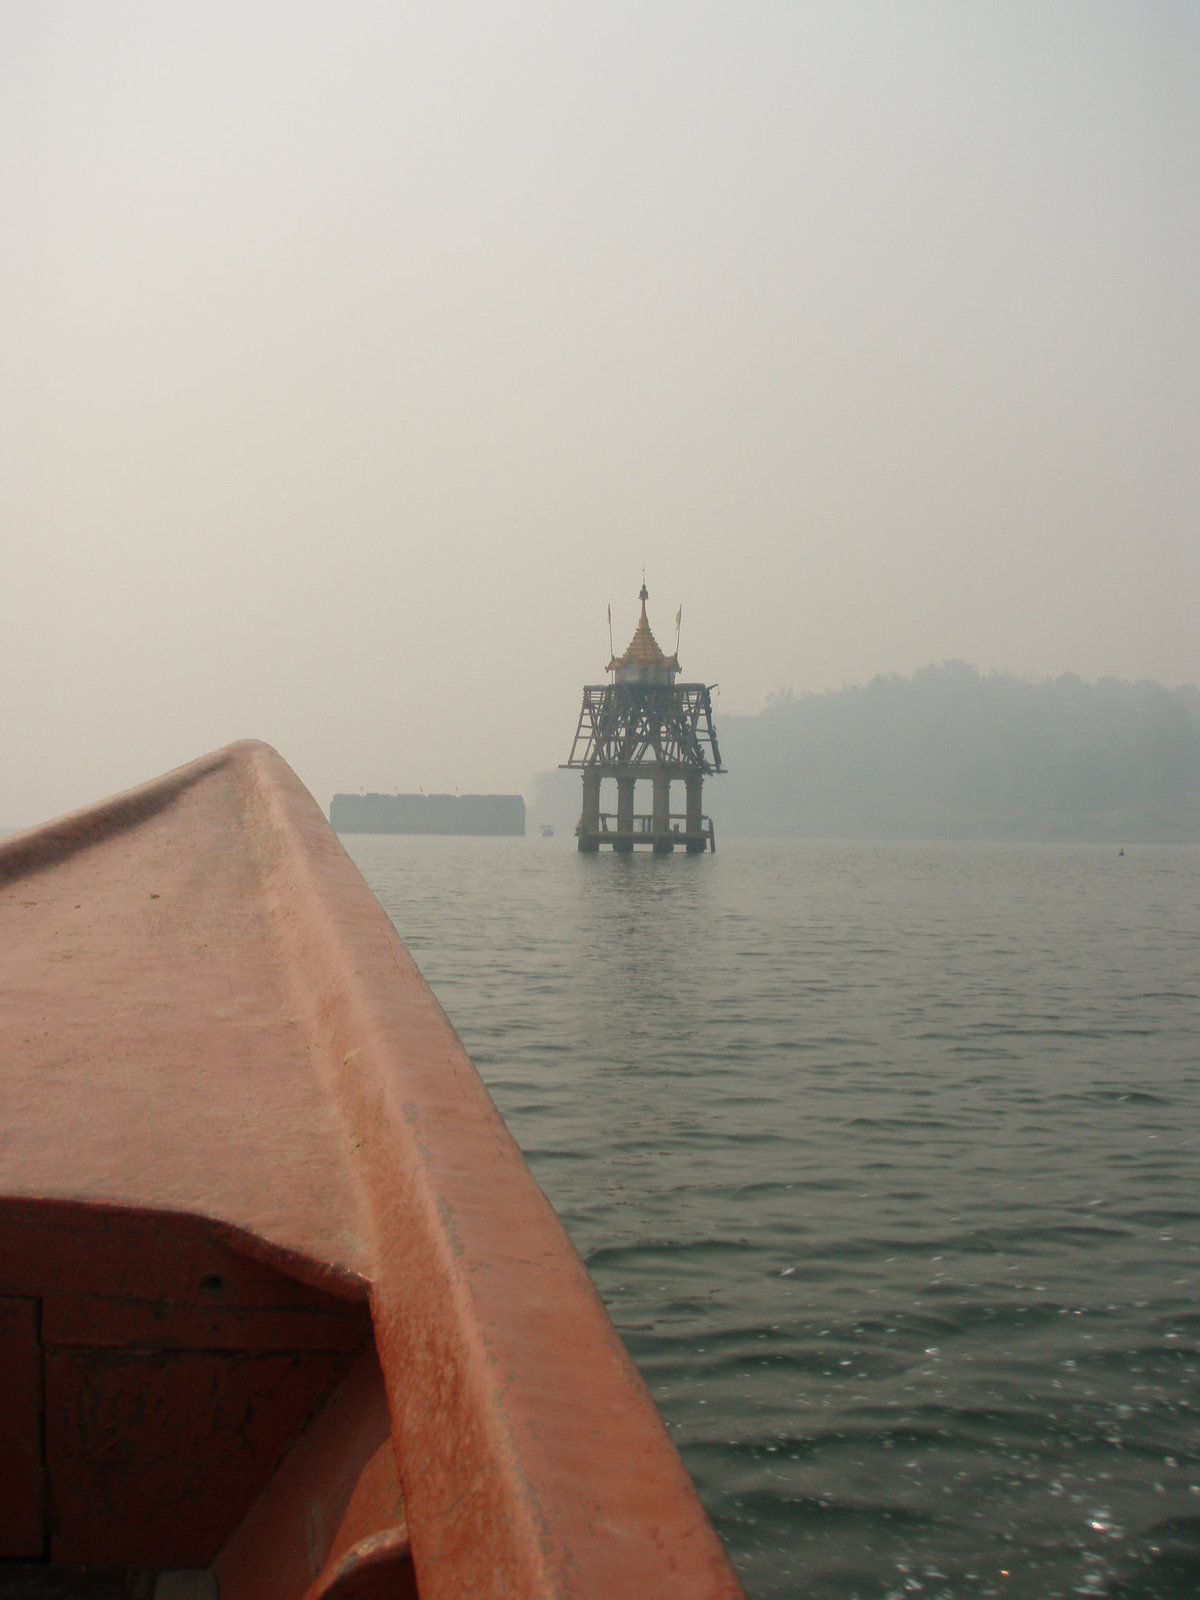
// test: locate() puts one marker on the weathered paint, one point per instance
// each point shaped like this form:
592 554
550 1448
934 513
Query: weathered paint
164 1374
243 1144
333 1513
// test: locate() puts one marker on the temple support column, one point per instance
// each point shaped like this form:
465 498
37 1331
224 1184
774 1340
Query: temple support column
625 788
694 823
660 824
589 822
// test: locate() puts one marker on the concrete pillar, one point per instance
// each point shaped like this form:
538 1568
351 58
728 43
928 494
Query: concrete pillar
660 823
589 822
695 789
625 787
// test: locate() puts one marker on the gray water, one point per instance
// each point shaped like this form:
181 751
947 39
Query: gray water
884 1160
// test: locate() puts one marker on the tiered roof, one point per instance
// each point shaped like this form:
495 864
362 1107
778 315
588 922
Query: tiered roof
644 651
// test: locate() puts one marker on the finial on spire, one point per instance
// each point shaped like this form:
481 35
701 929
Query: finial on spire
643 593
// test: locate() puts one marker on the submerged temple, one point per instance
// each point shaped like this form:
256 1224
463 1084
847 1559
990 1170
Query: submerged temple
643 724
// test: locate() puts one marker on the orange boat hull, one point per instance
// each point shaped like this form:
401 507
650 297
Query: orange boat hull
281 1307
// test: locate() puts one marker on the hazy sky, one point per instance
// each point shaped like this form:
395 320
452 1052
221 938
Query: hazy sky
355 358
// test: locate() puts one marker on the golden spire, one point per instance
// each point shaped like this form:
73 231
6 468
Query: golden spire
644 659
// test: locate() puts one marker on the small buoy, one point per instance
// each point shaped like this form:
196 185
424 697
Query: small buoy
1121 851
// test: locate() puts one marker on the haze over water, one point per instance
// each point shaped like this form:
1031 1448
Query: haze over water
884 1160
358 357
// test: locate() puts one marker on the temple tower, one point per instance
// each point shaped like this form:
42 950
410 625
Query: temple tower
643 724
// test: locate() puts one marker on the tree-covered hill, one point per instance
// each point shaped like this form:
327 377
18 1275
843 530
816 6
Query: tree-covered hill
952 753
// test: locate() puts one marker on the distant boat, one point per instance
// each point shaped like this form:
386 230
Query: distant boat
547 831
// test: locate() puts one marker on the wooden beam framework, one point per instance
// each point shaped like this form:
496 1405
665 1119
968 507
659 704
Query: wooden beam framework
661 732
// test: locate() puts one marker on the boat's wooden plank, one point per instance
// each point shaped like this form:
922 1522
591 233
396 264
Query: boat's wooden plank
210 1424
55 1246
337 1494
98 1322
21 1475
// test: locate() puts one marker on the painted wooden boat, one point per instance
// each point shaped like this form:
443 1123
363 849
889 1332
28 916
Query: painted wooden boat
283 1315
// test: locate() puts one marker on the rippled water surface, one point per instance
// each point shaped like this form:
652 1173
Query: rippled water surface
885 1161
